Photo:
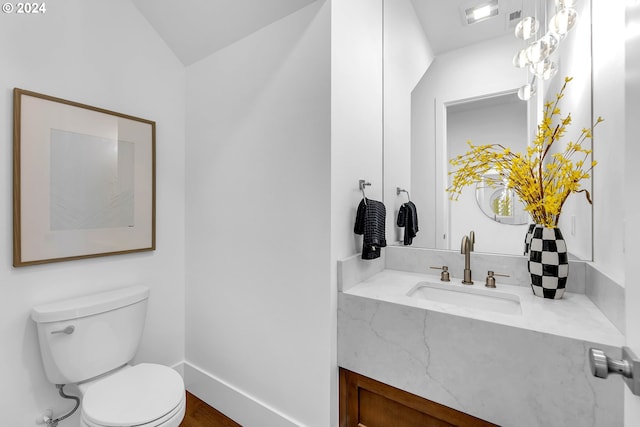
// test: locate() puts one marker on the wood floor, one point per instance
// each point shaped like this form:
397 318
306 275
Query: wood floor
199 414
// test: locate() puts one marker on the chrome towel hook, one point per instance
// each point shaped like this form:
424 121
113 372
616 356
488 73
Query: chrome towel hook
402 190
361 184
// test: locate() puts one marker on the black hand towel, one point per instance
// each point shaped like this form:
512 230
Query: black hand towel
408 218
370 219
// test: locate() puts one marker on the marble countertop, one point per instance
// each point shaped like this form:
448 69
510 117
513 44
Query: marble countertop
574 316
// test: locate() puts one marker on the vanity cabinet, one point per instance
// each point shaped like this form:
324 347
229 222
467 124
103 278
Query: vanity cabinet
365 402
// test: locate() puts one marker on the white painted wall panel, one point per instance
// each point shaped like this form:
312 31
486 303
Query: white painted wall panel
258 218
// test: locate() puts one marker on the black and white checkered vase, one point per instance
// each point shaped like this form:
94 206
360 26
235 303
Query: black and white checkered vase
548 262
527 239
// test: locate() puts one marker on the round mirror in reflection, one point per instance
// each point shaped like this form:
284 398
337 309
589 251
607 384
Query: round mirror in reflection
500 203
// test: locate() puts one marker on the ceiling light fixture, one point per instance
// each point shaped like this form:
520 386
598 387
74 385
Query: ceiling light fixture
481 12
535 57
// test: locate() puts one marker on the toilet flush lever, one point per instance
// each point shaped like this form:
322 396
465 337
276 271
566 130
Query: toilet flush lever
68 330
628 367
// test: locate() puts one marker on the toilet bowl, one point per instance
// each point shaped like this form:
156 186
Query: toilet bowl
90 341
144 395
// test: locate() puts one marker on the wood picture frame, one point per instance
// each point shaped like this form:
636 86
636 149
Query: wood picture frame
83 181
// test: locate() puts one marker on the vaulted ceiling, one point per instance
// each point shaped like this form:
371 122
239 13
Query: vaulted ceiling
194 29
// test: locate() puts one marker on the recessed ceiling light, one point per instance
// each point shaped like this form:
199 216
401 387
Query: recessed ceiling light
481 11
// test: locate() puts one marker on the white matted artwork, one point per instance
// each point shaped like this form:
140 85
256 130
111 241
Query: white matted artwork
84 181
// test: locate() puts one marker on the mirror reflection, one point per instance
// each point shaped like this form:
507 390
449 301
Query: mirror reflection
495 119
499 203
447 82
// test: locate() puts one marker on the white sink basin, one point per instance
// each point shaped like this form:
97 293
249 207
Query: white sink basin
468 296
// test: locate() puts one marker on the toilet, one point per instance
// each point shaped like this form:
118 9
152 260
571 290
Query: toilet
90 341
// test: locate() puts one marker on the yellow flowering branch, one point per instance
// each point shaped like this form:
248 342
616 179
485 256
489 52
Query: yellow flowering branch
543 182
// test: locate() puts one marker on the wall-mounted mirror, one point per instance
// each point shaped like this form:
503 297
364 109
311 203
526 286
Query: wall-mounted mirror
447 82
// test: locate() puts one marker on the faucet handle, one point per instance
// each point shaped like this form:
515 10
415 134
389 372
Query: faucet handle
491 280
472 240
444 276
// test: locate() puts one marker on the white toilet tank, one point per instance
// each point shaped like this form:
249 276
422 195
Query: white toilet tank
84 337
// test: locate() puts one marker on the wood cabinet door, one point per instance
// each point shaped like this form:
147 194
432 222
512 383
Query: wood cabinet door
365 402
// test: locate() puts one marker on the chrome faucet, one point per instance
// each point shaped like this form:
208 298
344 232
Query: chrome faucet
466 248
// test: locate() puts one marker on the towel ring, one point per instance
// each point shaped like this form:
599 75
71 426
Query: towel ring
402 190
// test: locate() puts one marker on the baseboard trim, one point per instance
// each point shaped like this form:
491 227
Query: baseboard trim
179 367
231 401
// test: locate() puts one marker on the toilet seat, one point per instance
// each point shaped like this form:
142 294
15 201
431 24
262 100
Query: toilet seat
146 395
172 419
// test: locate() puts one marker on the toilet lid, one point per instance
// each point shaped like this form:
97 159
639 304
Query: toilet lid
133 396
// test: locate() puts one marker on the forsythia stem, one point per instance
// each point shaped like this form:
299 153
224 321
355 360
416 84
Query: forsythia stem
541 180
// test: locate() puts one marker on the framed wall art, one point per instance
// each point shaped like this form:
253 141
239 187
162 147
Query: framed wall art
83 181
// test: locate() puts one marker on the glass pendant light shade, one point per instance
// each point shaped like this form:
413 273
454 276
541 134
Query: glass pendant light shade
520 59
540 49
527 28
561 4
526 92
539 67
563 21
536 57
545 69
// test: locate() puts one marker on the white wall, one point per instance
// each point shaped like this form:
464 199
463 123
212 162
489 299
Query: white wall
470 72
356 134
609 193
102 54
259 316
356 116
407 55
